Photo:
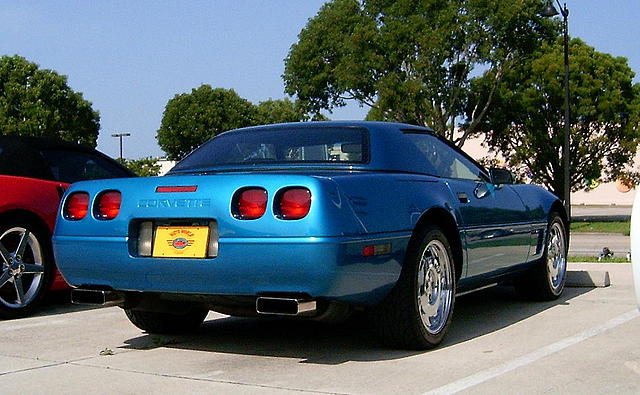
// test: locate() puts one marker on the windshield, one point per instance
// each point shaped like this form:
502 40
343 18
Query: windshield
281 146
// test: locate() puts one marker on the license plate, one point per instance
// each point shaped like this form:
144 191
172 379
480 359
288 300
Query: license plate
181 241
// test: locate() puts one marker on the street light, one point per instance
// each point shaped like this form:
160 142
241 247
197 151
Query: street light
121 135
551 11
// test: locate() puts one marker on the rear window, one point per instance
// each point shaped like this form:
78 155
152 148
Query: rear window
281 146
73 166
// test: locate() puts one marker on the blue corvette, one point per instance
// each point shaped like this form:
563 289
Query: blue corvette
313 219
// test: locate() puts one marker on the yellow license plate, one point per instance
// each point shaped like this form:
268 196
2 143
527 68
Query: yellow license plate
181 241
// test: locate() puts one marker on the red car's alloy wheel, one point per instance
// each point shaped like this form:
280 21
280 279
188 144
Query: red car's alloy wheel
23 269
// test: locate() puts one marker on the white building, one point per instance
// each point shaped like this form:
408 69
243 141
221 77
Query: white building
605 194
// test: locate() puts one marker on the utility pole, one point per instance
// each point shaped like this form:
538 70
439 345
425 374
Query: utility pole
120 136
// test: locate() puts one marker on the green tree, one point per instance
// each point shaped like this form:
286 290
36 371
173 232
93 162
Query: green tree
190 119
526 121
280 111
143 167
411 60
38 102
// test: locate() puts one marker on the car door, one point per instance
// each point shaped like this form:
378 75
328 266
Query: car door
492 218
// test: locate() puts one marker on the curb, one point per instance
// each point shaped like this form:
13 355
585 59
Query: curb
587 279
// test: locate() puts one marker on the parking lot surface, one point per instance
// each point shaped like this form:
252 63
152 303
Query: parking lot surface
586 342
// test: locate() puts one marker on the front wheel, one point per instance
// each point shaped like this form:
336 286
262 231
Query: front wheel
546 280
417 312
27 268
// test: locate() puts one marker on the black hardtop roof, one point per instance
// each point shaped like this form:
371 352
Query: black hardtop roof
42 142
21 155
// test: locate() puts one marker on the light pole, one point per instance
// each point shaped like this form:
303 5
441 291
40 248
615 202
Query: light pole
550 11
121 135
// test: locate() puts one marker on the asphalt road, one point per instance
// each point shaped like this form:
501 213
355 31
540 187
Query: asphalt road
600 211
586 342
591 244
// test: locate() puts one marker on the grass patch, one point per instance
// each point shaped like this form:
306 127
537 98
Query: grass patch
576 258
602 227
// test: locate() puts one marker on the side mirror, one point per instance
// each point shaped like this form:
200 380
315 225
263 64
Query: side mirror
501 176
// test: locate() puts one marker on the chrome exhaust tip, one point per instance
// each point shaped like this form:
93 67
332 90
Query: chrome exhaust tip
96 297
285 306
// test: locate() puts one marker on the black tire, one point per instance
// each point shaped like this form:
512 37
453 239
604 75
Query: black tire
545 281
402 319
32 274
166 323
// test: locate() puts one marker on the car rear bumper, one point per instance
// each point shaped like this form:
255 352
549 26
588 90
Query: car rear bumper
322 267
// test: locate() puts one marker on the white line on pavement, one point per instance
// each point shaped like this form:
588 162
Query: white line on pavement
491 373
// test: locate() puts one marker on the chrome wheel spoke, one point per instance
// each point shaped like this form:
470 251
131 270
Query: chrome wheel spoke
5 255
30 268
17 282
6 276
431 308
22 245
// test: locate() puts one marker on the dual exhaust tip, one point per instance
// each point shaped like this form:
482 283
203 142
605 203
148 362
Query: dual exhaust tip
264 304
96 297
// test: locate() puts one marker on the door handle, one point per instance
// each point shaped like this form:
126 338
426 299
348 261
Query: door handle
462 197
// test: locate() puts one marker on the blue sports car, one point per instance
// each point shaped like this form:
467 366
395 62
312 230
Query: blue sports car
315 219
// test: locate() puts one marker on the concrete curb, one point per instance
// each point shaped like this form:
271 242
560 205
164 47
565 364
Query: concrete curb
587 278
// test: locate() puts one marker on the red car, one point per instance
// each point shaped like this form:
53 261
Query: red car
34 173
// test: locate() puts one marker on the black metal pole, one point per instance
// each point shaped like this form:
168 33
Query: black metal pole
566 158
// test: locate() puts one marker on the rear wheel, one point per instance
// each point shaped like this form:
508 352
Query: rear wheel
174 323
546 280
417 312
27 268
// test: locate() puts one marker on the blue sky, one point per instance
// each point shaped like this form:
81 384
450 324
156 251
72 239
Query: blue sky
130 57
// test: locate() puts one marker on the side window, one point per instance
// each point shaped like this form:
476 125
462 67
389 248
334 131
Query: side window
448 162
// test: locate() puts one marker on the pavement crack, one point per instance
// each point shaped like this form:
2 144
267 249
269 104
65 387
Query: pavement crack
202 379
32 368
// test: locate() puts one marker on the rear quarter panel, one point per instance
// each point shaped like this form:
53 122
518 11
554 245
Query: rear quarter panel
39 197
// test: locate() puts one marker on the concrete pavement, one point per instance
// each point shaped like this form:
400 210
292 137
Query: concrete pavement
586 342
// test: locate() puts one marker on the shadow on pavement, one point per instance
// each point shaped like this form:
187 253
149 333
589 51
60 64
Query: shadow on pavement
57 302
475 315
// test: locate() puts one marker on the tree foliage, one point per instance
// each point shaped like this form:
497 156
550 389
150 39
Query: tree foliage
38 102
411 60
143 167
526 121
190 119
284 110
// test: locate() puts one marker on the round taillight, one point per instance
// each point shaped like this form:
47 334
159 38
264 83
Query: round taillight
251 203
108 205
76 206
295 203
